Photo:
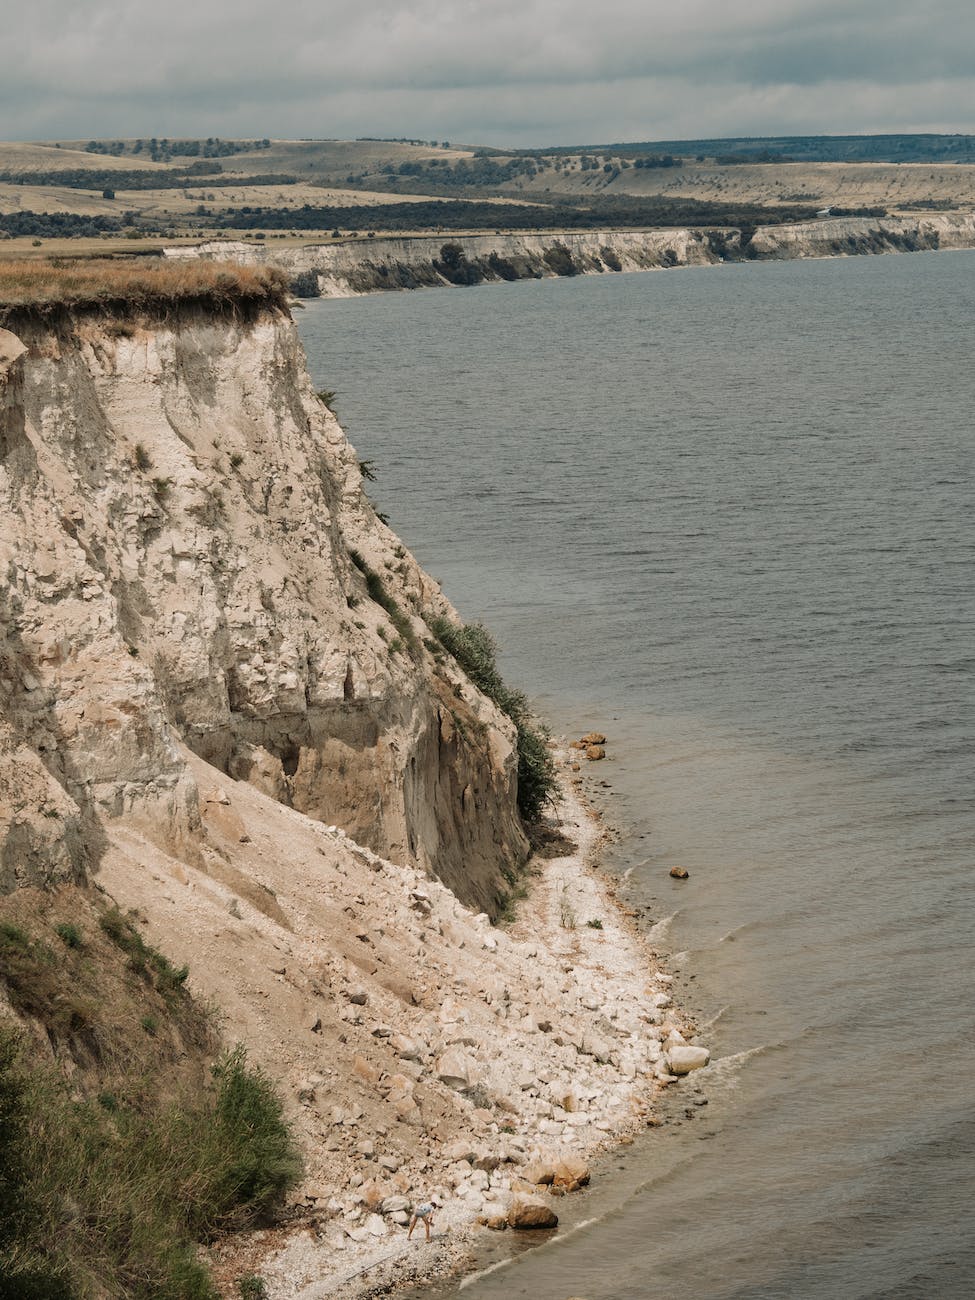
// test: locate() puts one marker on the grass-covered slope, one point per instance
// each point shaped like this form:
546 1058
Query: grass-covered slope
125 1139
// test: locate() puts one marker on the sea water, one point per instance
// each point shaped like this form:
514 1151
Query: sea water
727 516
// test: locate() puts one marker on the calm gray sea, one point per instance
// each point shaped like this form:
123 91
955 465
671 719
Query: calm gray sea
727 515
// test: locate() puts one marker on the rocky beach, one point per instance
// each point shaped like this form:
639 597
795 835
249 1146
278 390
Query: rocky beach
530 1049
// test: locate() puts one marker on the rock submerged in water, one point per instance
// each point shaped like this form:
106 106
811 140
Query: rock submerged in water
679 873
682 1060
590 743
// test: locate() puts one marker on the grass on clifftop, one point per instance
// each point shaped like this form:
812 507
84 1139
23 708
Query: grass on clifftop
46 287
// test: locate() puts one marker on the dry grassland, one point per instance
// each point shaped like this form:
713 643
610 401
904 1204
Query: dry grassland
17 156
44 286
836 184
165 203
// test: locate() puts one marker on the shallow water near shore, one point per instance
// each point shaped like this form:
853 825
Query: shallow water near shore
725 515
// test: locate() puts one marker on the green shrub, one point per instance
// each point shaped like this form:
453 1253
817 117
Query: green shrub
559 259
252 1287
144 960
260 1158
109 1200
474 649
70 934
305 284
502 267
454 266
13 1165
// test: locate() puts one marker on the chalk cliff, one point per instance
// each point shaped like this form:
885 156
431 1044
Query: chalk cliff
189 565
374 265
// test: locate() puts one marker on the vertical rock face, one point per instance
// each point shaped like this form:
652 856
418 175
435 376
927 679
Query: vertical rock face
188 561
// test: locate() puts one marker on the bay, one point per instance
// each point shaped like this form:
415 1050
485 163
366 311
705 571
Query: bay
725 515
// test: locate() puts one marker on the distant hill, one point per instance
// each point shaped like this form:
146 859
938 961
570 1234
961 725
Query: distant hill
304 189
798 148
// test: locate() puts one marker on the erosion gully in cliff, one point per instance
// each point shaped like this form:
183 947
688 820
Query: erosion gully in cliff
207 716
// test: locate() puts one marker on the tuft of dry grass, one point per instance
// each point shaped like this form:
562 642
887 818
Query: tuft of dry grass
43 288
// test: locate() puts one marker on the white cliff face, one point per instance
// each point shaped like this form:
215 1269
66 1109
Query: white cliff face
838 236
374 265
367 266
178 512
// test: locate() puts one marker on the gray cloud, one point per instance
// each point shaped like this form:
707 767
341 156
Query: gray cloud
528 72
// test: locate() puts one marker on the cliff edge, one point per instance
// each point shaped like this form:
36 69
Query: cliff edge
189 564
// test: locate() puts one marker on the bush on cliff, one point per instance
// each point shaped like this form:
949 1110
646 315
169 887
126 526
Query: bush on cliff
559 259
475 650
454 266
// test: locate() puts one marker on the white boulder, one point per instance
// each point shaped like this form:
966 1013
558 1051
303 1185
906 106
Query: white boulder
682 1060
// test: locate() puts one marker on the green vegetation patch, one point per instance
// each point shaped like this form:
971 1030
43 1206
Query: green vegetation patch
143 959
592 212
108 1200
32 976
476 651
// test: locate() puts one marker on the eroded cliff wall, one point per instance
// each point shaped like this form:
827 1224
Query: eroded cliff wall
376 265
188 564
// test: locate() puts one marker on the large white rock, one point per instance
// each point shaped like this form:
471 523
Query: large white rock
454 1069
375 1226
682 1060
593 1045
395 1204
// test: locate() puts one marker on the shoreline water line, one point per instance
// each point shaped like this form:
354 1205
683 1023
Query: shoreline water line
626 995
766 603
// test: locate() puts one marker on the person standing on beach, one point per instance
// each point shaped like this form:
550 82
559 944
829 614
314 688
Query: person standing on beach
421 1213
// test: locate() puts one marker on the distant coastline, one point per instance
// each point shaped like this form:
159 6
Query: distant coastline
438 259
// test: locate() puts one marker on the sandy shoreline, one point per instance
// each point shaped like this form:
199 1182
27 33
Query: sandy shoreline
554 1036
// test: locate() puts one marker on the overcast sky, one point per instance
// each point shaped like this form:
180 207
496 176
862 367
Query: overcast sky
530 72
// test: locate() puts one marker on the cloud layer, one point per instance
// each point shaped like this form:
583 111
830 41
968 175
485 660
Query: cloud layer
505 72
